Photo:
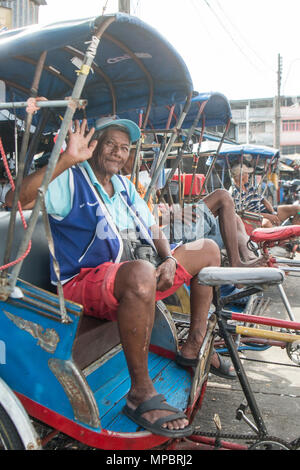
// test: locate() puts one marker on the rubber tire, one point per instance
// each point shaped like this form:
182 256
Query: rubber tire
9 436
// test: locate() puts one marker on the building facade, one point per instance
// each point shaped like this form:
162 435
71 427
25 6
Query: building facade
255 122
18 13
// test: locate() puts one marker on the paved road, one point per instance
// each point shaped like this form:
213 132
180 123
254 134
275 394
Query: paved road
274 378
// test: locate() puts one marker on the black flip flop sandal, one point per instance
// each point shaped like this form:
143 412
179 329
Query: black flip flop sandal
184 361
158 403
224 369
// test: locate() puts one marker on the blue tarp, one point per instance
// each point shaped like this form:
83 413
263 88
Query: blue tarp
232 151
21 48
248 151
217 112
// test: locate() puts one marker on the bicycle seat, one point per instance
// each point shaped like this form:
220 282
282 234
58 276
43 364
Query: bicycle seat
216 276
273 234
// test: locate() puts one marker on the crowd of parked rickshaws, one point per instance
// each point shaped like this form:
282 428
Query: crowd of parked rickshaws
63 373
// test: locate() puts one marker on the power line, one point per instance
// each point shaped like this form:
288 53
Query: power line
104 7
200 17
136 9
243 37
288 73
231 37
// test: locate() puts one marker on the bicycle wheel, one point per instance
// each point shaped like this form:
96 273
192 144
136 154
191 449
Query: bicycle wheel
9 436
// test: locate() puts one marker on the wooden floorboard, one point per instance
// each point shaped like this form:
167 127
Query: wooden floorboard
110 384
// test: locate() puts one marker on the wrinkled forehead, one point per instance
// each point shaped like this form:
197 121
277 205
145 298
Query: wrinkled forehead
118 135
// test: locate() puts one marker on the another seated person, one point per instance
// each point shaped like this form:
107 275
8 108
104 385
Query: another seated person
213 217
89 205
247 198
4 188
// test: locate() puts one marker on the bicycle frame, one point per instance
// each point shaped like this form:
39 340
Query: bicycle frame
220 318
227 330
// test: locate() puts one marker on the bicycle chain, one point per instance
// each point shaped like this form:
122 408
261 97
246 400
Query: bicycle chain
244 437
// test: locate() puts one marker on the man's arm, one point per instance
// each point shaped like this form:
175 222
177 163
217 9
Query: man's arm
271 215
268 206
79 149
166 271
32 182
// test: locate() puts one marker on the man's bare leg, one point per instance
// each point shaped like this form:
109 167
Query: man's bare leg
287 211
221 204
135 288
193 257
243 239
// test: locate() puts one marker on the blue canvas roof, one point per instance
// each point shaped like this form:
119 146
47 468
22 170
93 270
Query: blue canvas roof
216 112
132 63
233 151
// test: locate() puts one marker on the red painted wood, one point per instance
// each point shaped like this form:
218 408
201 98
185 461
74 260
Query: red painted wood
100 438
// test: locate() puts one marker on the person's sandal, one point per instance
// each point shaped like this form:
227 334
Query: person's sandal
185 361
224 369
158 403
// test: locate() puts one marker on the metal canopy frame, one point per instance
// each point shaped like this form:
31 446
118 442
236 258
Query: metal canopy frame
150 90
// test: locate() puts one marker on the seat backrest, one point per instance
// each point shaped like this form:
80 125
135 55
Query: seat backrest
36 266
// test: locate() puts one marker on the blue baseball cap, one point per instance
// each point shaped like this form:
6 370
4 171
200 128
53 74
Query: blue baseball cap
130 126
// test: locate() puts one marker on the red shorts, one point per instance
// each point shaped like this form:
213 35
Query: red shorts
93 288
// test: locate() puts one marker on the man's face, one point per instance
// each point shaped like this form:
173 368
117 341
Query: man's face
245 178
114 153
127 169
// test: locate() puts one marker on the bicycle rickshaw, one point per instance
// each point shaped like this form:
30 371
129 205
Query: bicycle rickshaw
207 110
49 371
213 109
264 161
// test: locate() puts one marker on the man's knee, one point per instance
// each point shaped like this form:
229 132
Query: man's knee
297 209
223 197
213 250
210 249
137 279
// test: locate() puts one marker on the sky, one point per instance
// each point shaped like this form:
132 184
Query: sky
229 46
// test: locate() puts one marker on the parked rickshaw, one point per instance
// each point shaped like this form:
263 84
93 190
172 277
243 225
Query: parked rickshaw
56 367
180 155
210 110
264 163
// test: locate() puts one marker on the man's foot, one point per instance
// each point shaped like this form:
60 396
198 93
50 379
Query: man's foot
219 366
257 262
224 369
157 416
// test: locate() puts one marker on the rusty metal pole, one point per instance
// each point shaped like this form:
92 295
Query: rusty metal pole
21 163
81 78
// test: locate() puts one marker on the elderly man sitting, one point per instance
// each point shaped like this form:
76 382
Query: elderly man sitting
89 206
247 198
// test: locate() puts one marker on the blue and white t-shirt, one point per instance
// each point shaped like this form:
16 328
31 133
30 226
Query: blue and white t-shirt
86 226
249 200
59 197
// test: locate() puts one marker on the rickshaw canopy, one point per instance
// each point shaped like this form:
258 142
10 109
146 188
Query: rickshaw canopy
216 111
133 64
234 152
248 150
